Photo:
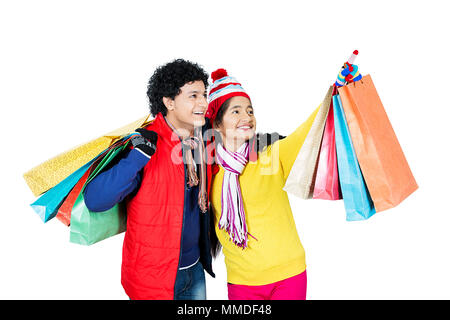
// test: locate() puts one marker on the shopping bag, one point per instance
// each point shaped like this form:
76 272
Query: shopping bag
64 211
383 164
300 181
51 172
357 202
49 204
46 205
88 227
326 185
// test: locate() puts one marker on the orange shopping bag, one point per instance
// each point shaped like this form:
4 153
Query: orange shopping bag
383 164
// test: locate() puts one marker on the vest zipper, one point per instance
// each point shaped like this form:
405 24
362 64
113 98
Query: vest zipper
207 212
182 225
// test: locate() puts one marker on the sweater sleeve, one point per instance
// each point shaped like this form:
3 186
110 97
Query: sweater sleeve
291 145
112 186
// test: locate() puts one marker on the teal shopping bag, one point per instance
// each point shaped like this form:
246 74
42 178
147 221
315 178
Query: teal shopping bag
357 201
46 206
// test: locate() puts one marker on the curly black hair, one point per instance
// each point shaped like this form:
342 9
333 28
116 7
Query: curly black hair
167 80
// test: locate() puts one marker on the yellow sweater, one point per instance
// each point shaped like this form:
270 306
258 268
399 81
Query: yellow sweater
277 253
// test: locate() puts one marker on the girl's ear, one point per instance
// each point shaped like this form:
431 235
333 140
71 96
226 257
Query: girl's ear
169 103
217 127
217 136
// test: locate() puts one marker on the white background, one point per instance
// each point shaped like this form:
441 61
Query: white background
74 70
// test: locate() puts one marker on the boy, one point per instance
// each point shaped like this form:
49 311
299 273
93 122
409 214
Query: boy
166 247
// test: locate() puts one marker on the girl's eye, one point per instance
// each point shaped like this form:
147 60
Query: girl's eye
194 96
250 111
235 112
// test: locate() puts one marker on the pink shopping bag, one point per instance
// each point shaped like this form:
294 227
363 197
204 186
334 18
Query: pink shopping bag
327 179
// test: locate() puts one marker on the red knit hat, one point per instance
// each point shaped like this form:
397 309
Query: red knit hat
223 88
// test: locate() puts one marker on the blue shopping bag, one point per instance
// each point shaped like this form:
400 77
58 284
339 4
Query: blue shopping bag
357 201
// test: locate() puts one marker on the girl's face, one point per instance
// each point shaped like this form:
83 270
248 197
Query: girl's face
238 123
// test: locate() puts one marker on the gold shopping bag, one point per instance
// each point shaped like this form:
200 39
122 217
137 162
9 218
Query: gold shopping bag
49 173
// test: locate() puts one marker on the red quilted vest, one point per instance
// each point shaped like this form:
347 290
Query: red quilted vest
151 248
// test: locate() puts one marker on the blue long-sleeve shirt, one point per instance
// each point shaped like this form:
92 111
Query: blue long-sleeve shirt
112 186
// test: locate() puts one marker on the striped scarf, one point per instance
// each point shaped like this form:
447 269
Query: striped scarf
232 218
189 145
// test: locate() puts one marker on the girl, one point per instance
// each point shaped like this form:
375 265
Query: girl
252 215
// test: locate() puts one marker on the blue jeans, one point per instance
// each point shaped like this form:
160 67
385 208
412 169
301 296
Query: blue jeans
190 283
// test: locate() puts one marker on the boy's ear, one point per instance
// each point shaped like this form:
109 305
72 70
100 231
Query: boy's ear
169 103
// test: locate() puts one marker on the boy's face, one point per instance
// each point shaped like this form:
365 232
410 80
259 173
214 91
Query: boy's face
188 108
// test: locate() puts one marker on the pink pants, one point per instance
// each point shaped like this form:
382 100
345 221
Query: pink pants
293 288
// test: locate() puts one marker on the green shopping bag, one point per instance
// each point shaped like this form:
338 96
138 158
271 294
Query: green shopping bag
88 227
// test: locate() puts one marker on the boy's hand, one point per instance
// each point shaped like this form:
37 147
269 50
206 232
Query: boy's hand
146 141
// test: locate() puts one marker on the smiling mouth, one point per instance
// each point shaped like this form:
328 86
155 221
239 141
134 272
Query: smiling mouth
245 127
199 113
